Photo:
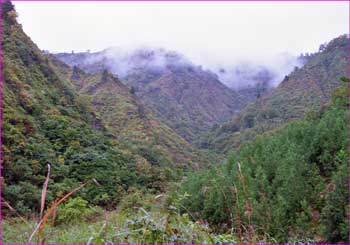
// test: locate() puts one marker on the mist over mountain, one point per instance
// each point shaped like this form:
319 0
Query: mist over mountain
188 97
248 73
185 96
307 88
124 61
241 73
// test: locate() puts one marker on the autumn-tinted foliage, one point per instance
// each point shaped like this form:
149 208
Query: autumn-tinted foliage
290 185
187 98
130 121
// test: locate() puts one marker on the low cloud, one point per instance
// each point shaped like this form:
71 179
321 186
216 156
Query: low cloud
270 70
123 61
238 74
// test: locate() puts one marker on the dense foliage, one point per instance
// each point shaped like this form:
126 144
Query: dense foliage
46 122
131 122
187 98
308 87
290 184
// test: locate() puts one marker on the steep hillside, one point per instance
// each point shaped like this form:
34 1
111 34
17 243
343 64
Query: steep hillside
290 185
129 120
187 98
46 122
305 89
251 93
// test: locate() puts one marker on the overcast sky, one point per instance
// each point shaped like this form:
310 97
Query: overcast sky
203 31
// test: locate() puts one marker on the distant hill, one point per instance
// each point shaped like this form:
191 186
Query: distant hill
186 97
305 89
253 79
129 120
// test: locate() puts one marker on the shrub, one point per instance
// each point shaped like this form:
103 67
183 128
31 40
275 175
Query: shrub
132 201
76 210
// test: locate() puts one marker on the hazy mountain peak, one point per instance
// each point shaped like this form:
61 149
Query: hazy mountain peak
248 73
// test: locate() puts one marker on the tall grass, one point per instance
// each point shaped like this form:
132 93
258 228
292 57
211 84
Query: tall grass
38 229
43 193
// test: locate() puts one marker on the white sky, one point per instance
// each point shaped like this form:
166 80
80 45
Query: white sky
206 32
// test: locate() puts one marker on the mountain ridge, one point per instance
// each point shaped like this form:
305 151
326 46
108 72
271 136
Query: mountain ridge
186 97
128 119
305 89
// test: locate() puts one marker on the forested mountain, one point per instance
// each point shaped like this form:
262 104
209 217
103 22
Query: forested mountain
115 141
187 98
305 89
129 120
125 122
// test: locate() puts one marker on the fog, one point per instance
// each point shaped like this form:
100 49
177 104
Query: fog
240 74
122 61
246 73
252 36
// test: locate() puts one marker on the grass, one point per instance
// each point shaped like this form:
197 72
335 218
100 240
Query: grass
53 207
158 222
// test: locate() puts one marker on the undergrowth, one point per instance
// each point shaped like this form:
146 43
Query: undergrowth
153 221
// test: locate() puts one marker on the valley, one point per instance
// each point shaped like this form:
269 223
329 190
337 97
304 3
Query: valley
186 97
148 147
